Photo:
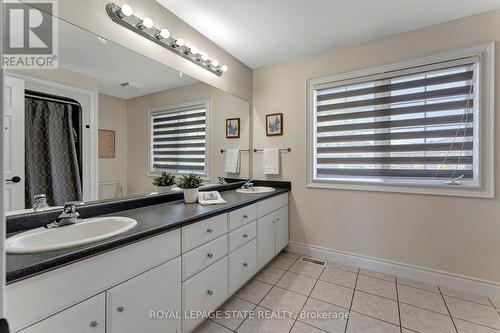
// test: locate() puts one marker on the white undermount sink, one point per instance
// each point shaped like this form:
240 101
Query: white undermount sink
84 232
256 190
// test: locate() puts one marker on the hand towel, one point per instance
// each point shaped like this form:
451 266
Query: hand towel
210 198
271 162
232 161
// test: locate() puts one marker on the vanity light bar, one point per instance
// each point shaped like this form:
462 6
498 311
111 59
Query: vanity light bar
125 17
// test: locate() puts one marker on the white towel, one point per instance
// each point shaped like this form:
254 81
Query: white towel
210 198
271 162
232 161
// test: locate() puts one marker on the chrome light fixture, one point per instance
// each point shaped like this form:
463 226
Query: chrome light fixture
145 27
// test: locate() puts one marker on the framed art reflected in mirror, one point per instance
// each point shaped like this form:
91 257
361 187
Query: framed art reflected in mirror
233 128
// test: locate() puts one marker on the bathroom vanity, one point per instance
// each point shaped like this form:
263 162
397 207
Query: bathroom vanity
182 261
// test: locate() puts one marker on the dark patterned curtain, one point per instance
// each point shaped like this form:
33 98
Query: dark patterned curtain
51 156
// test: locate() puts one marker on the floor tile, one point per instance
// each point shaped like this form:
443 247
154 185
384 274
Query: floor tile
254 291
417 284
333 293
344 267
334 322
234 312
376 306
495 302
261 321
465 296
333 275
377 287
425 321
359 323
298 283
210 327
282 262
289 254
307 268
473 312
300 327
378 275
283 300
466 327
269 275
422 299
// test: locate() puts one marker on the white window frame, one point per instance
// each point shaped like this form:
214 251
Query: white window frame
175 108
483 137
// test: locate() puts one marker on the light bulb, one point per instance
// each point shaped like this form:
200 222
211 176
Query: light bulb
204 57
224 68
180 42
126 10
164 33
193 49
147 23
215 63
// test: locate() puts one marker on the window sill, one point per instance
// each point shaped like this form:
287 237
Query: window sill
446 190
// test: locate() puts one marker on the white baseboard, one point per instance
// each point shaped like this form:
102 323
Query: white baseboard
451 280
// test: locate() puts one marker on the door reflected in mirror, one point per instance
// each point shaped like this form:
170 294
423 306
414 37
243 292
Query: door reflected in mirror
107 121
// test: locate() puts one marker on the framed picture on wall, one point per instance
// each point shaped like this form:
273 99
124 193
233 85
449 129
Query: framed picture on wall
106 143
274 124
232 128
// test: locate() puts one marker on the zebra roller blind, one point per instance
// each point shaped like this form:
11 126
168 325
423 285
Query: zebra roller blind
179 140
411 124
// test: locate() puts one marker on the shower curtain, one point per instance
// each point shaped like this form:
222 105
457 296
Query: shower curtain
51 157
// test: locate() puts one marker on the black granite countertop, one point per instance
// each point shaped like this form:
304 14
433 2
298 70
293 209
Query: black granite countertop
151 220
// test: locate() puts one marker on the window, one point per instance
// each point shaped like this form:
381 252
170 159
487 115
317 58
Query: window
178 138
412 126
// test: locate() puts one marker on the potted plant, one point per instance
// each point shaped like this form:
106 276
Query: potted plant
164 182
190 183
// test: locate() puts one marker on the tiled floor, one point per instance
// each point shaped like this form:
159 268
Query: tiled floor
290 295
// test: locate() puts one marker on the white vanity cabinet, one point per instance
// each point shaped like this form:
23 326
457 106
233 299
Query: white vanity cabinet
272 228
84 317
134 305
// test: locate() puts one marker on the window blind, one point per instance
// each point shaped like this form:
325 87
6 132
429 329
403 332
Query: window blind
178 140
415 123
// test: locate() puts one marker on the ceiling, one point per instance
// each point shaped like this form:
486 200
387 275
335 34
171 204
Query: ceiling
263 32
83 52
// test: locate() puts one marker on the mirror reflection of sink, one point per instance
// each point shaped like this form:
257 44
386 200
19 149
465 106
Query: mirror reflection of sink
84 232
256 190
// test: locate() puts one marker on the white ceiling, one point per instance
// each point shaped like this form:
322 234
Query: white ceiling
111 64
263 32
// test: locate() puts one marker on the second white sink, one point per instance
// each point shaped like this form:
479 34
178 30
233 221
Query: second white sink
256 190
84 232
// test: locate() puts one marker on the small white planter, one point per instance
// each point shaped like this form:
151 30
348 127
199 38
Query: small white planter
164 189
191 195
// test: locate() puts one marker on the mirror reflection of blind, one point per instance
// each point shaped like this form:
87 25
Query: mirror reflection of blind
416 123
179 140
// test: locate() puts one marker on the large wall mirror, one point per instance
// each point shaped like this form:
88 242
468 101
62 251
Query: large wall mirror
108 120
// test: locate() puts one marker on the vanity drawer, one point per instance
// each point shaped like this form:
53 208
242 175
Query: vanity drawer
87 316
241 236
242 265
203 256
205 291
203 232
270 205
242 216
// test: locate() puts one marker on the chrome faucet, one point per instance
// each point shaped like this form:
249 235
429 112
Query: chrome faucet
248 185
68 216
222 180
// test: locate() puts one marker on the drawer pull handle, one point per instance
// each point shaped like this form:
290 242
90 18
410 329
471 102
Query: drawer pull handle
245 236
210 292
120 309
245 216
210 255
245 264
209 230
93 324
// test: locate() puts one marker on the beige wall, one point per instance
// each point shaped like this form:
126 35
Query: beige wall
458 235
113 116
223 105
91 15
